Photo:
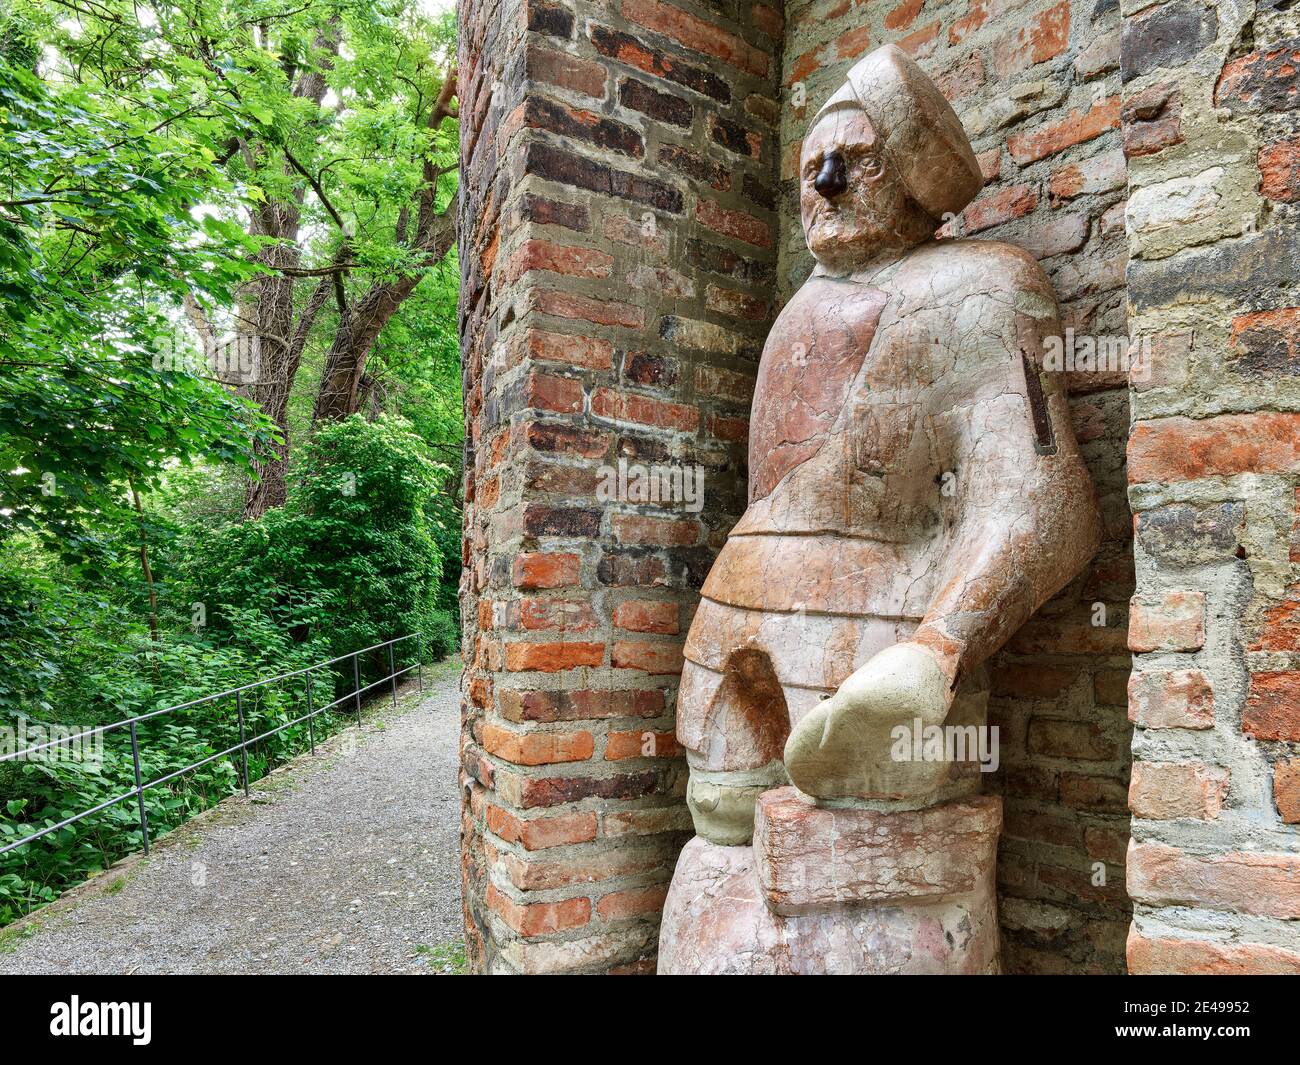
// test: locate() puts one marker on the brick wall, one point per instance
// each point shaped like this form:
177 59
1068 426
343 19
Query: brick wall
1037 87
1210 118
618 246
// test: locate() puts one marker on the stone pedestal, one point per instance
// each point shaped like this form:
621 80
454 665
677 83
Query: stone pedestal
850 891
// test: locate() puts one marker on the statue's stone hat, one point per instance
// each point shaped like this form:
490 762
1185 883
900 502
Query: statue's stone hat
923 137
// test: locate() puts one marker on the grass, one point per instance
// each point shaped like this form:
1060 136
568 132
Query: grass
447 958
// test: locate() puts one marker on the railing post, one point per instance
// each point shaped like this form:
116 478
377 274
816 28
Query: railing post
356 686
243 747
392 674
311 721
139 788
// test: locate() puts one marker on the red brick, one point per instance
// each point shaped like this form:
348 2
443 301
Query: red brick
1174 621
1102 172
920 43
647 615
568 615
903 15
573 124
1180 698
625 406
573 481
1096 794
1166 791
552 657
1279 170
696 34
1042 828
1167 956
1268 341
1105 844
1110 687
805 65
636 902
1278 628
556 791
743 227
1265 79
1254 882
661 532
649 822
601 312
547 392
1044 37
537 748
1186 449
580 705
961 79
539 918
1081 740
566 71
535 570
656 658
649 240
977 13
589 353
1055 137
769 20
724 384
725 428
622 745
1286 790
539 833
565 439
852 43
1013 201
735 304
1152 120
1062 636
530 874
1273 707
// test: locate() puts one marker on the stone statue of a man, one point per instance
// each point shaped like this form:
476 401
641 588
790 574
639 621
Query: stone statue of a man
916 493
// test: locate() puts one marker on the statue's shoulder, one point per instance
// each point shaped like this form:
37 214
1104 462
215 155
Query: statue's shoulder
963 268
826 294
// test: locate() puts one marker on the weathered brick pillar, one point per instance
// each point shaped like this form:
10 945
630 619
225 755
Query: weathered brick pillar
1210 111
617 248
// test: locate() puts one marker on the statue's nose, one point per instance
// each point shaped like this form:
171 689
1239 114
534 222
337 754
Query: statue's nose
832 178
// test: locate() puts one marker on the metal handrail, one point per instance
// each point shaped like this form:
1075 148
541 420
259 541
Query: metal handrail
244 741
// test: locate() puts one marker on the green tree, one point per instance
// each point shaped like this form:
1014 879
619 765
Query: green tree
328 121
97 243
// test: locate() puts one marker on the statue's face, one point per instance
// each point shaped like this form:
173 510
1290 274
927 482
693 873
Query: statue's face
852 204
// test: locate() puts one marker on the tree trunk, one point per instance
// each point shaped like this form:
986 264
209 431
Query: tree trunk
273 367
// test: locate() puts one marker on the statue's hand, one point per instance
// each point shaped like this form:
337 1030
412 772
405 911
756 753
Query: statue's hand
827 749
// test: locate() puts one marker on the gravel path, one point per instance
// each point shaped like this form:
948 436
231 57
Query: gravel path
346 862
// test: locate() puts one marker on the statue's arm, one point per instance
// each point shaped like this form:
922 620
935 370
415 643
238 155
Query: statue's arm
1023 511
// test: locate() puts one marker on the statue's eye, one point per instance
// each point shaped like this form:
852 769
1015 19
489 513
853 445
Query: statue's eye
871 165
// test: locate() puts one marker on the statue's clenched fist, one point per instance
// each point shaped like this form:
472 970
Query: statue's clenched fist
832 748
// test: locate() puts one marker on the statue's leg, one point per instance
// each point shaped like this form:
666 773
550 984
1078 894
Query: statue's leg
734 725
